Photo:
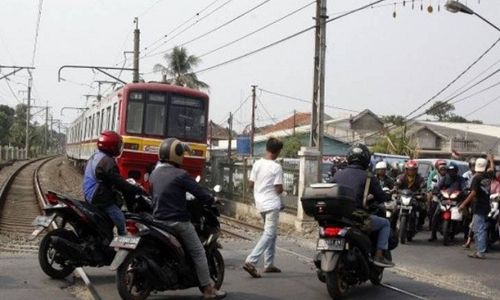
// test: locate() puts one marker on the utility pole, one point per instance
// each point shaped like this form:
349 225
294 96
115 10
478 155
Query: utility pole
50 132
294 113
313 142
230 135
252 133
46 133
321 107
137 34
27 141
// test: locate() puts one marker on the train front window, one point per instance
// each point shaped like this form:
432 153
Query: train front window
155 115
135 111
186 118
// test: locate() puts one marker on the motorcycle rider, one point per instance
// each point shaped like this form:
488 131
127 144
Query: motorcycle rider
355 177
433 179
102 177
381 173
168 186
411 180
451 181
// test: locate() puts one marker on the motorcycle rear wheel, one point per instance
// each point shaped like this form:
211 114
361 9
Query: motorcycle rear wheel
446 233
336 287
403 229
131 285
376 275
47 254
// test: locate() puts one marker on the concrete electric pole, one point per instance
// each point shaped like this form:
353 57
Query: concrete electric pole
137 34
27 141
252 133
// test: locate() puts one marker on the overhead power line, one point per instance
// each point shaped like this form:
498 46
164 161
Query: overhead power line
257 30
455 79
187 28
284 39
40 4
213 29
483 106
306 101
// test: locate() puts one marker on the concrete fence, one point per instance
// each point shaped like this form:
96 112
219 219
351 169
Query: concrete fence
8 153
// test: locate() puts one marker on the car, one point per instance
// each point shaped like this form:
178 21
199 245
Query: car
425 165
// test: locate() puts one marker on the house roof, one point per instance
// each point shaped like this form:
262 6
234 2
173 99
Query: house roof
416 129
364 113
298 119
217 132
483 129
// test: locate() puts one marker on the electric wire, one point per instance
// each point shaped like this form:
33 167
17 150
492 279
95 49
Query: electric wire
455 79
483 106
283 39
257 30
37 30
213 29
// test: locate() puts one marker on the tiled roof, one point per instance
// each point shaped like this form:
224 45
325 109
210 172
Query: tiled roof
288 123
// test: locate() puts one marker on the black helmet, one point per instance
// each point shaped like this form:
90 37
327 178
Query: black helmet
472 163
172 150
359 154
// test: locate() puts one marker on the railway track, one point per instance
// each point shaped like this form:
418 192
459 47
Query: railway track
20 203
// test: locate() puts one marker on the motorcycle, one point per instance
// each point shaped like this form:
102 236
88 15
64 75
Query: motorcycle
493 219
345 248
152 257
408 215
451 221
391 207
81 234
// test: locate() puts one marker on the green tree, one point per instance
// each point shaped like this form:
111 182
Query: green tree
6 119
291 145
395 142
179 69
394 119
441 110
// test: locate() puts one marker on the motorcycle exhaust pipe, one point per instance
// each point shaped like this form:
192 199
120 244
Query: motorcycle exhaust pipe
71 250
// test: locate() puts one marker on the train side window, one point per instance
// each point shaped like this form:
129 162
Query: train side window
108 117
113 120
102 121
97 123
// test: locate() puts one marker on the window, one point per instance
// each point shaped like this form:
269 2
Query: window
97 123
186 119
92 125
113 120
102 121
108 118
155 114
135 111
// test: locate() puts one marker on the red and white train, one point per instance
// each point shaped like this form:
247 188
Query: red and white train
144 114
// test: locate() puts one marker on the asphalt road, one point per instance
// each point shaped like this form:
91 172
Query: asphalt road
298 280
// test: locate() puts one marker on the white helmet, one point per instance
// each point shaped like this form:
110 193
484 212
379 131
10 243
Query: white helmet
381 165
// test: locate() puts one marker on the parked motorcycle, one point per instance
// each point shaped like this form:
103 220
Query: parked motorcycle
451 221
408 216
82 236
493 219
345 248
153 259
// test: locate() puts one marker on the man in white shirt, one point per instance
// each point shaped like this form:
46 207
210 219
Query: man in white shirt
266 179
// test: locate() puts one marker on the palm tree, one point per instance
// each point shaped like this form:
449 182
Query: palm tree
180 69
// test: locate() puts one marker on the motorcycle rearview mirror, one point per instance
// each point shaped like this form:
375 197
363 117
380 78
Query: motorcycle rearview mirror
217 188
198 178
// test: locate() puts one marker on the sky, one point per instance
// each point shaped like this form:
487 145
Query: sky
373 60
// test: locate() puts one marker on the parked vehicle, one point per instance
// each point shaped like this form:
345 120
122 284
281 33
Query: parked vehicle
153 259
494 219
85 242
408 215
345 251
451 221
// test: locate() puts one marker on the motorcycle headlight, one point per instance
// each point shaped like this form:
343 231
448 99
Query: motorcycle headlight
405 200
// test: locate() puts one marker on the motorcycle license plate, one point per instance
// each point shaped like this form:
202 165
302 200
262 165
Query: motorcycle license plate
43 221
331 244
125 242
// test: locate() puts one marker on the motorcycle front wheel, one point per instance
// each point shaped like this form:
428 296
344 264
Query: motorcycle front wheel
403 229
335 285
216 266
52 262
131 284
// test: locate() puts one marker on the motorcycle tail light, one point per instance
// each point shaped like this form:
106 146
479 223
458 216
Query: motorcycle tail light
331 231
131 227
447 215
52 199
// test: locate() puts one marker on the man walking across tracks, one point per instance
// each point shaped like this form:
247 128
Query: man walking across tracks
266 179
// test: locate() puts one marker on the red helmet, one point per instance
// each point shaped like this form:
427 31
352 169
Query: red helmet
110 142
440 162
411 164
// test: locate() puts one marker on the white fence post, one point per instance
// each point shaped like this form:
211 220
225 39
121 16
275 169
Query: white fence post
308 172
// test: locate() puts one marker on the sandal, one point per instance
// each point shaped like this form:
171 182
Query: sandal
476 255
251 270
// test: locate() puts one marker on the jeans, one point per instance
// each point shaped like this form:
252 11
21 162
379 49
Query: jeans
118 218
383 227
480 232
267 242
192 243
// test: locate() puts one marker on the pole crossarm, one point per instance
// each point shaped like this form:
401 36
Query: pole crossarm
98 68
72 107
16 69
